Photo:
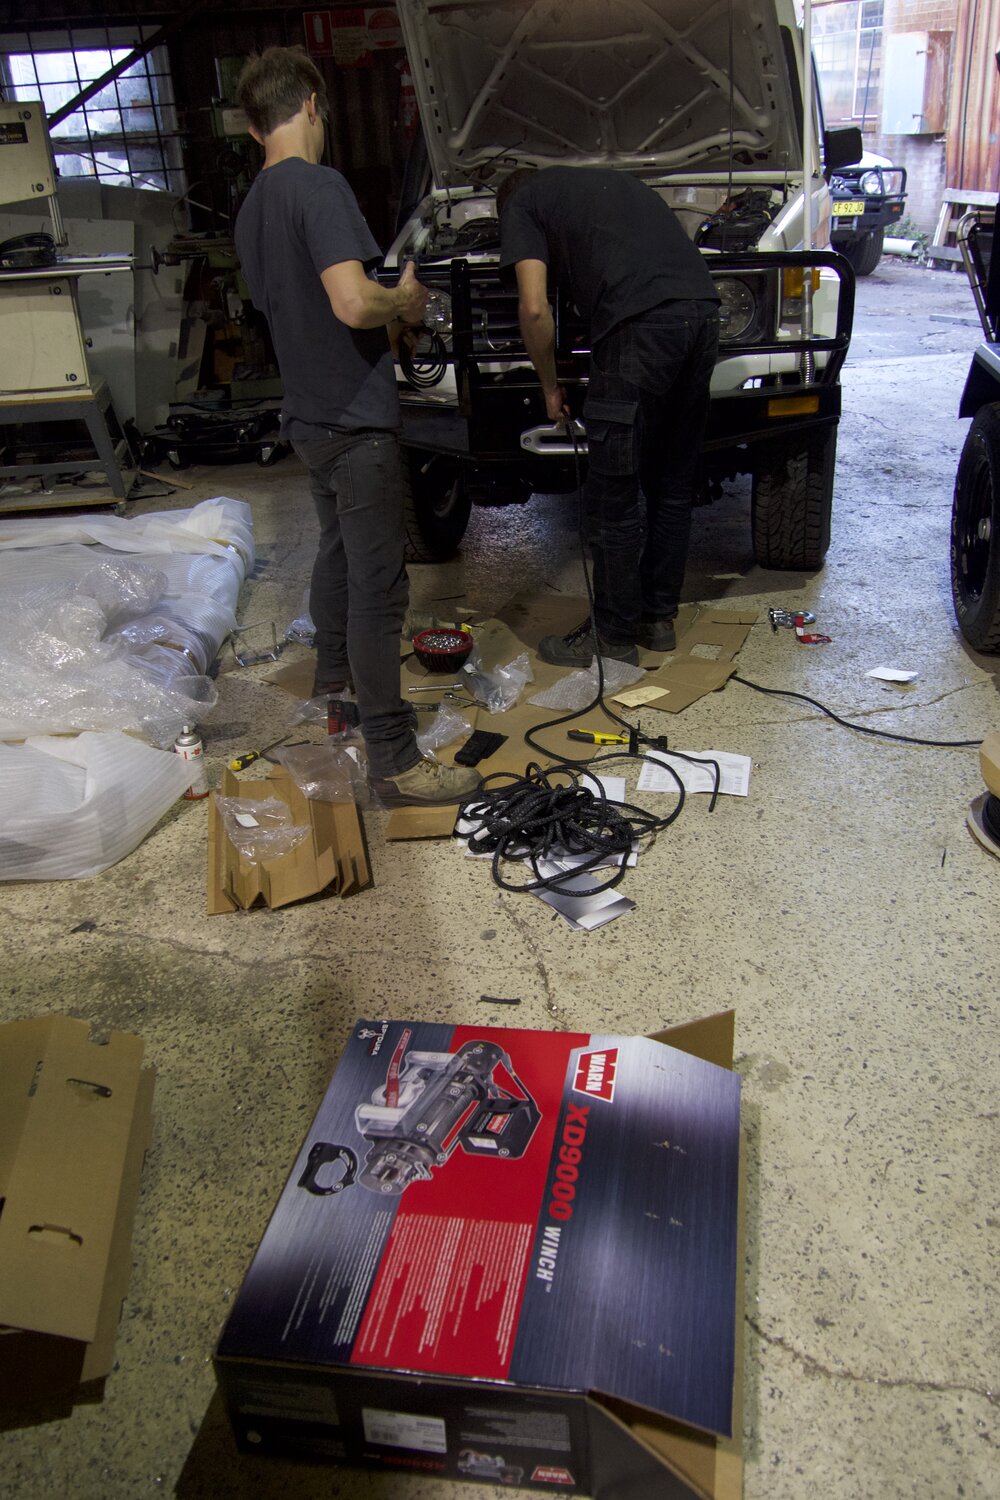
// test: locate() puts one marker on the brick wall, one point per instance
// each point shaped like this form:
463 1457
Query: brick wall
923 156
919 15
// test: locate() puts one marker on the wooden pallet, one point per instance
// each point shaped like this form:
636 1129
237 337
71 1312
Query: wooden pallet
955 204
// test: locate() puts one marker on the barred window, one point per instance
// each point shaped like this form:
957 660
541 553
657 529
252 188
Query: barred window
124 135
847 46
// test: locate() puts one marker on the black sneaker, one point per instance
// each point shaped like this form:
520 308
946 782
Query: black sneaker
576 649
657 635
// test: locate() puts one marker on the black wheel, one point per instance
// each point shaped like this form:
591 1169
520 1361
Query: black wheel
865 252
792 500
437 505
975 533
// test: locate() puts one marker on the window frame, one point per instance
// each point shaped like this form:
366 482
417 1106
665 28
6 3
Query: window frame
113 156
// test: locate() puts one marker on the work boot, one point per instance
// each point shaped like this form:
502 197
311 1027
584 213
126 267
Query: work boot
658 635
427 784
576 649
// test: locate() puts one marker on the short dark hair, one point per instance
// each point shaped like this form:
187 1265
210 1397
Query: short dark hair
274 85
510 185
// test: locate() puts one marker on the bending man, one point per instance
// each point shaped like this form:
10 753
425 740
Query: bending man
652 308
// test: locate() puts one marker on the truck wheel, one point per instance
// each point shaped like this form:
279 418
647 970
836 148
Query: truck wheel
792 499
975 533
865 253
436 505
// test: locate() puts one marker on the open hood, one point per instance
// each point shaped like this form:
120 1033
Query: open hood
644 85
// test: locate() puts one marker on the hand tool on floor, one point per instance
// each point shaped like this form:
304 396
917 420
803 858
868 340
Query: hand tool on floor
240 762
592 737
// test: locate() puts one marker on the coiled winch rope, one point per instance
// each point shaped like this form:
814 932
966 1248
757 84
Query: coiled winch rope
550 814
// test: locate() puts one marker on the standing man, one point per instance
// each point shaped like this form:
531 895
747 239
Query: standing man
307 252
652 307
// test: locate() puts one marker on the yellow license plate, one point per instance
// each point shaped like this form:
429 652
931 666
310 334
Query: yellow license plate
847 210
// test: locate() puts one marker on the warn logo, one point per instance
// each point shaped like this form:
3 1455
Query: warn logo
595 1074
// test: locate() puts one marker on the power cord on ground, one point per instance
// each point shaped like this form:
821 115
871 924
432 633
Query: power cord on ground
882 734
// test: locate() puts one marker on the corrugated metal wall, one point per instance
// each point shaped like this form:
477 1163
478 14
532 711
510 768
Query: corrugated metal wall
973 156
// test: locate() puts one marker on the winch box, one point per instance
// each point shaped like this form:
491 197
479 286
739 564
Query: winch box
510 1256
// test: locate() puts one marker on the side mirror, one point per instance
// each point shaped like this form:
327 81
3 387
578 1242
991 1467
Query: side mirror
842 148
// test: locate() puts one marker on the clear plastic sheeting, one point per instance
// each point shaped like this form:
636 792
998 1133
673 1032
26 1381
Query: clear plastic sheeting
70 808
96 640
218 527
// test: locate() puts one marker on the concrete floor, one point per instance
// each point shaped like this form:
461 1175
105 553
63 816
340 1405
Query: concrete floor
843 909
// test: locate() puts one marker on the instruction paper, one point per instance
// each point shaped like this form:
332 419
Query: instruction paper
638 696
734 772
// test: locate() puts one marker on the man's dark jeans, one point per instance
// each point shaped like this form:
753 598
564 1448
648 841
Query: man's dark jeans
359 586
645 415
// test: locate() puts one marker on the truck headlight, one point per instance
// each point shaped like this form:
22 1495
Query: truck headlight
738 309
437 313
871 183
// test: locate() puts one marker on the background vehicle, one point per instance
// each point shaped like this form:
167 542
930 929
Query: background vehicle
507 85
975 515
868 198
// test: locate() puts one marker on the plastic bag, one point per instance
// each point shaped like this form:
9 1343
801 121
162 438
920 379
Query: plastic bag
316 710
336 771
500 689
579 689
302 628
444 729
70 808
260 828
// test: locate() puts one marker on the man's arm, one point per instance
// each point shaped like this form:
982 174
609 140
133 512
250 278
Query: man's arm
362 303
538 330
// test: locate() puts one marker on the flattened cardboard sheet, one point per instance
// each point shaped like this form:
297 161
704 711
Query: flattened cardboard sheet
75 1121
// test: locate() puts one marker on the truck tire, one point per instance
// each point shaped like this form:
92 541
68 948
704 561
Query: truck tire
864 253
792 501
436 505
975 533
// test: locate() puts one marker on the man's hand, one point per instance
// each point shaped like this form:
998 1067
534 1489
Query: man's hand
402 335
413 296
556 404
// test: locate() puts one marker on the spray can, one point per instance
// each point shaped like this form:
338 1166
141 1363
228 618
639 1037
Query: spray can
189 747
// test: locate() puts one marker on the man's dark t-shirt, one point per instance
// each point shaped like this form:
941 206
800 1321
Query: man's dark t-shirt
612 238
297 220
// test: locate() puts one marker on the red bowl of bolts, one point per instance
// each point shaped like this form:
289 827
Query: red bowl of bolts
442 649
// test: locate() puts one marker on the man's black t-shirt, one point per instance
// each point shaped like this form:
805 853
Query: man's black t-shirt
297 220
612 238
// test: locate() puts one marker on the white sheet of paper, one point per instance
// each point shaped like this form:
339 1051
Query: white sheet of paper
637 696
734 778
614 786
892 674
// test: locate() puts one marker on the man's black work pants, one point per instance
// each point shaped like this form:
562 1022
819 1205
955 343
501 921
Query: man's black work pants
645 414
359 586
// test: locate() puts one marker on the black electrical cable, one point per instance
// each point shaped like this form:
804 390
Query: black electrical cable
427 367
883 734
636 738
598 700
549 814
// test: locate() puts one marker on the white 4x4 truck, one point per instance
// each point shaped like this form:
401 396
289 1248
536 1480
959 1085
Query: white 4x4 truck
704 102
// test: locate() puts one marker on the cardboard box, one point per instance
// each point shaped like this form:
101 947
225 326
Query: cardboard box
75 1121
510 1256
334 861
